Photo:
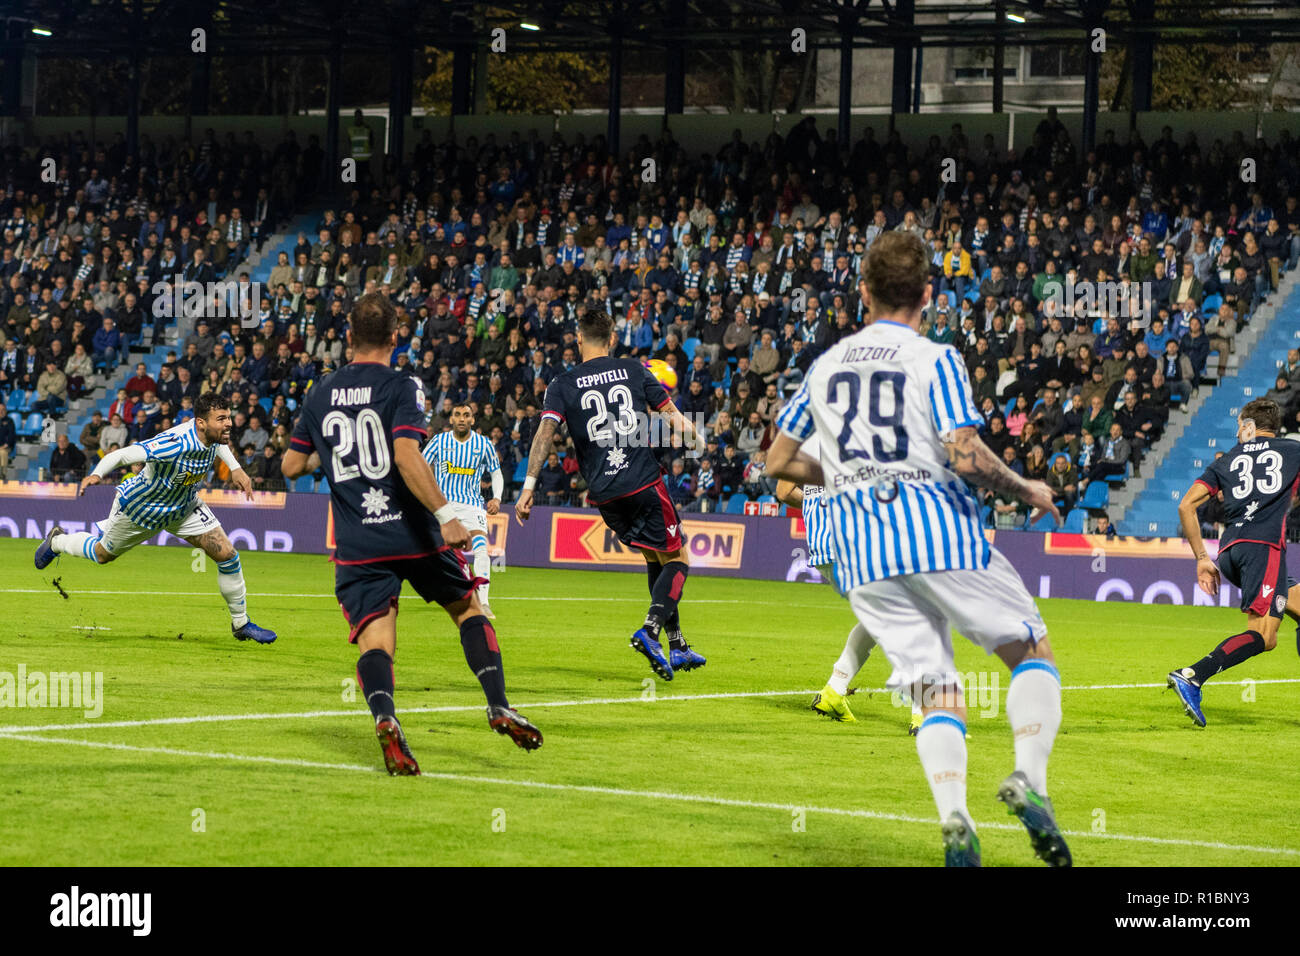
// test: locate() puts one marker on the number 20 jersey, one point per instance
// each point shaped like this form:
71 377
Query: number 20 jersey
606 403
1258 479
351 418
881 402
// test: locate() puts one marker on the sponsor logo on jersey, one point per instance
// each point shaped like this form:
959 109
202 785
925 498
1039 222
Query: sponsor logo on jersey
375 503
1280 603
1268 589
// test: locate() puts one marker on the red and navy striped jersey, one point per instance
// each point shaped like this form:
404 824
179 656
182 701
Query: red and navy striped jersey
351 418
1258 479
606 402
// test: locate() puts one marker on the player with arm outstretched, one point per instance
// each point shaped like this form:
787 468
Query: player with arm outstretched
164 497
899 441
607 404
831 701
1259 478
392 524
460 458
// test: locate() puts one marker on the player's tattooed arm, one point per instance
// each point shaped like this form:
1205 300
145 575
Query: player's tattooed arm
541 447
976 462
542 443
1207 572
786 461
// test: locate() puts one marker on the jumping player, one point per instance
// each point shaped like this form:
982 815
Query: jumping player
607 403
898 430
460 458
1258 477
832 700
367 421
163 496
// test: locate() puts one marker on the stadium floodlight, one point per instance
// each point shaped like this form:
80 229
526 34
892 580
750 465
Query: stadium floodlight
529 26
42 32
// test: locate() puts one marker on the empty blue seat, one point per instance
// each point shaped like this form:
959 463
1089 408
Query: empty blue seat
521 472
1074 520
689 347
736 504
304 483
1212 303
1096 495
767 499
33 424
1045 523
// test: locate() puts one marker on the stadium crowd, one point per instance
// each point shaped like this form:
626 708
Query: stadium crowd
737 268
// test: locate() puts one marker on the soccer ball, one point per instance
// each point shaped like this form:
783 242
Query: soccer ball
663 372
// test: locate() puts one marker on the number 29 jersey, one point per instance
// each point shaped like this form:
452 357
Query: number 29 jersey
351 418
881 401
606 403
1258 479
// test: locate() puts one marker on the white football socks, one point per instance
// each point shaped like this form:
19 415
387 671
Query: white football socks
941 745
78 544
1034 710
482 566
857 649
230 577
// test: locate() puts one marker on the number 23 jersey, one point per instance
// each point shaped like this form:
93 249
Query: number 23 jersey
1258 479
351 418
607 403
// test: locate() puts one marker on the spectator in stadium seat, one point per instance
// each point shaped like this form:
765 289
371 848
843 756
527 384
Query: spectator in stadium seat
114 433
1113 459
91 433
1195 347
140 382
679 483
67 461
1177 371
553 482
1223 335
107 345
706 492
51 391
1063 480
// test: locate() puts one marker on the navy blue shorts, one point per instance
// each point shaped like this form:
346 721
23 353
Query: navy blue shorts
367 591
645 519
1260 572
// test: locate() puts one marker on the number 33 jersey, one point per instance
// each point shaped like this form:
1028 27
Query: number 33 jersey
881 402
606 403
1258 479
351 418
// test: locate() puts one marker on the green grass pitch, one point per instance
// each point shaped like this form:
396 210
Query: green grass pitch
749 779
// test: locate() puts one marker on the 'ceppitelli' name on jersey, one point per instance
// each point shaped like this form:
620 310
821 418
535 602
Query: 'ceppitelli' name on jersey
1258 480
882 401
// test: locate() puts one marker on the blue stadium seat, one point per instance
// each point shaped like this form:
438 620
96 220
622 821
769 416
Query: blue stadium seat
17 419
1098 327
521 472
265 403
689 347
767 499
736 504
1045 523
25 402
304 483
1120 479
33 424
1074 520
1211 304
986 517
1096 495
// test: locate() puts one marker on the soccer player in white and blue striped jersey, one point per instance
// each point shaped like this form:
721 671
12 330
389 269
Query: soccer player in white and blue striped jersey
899 438
164 497
460 458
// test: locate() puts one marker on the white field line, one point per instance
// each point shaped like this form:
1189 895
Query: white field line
638 794
586 702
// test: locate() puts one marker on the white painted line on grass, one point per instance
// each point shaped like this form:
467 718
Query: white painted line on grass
639 794
585 702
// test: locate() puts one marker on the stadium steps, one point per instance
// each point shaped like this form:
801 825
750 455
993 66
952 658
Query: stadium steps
31 457
1181 456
